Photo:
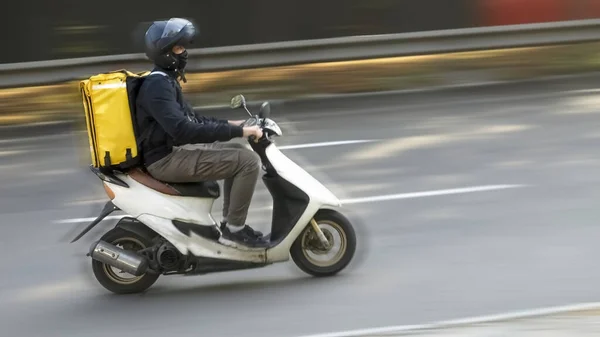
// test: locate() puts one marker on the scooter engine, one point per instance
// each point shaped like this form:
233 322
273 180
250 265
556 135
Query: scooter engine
168 257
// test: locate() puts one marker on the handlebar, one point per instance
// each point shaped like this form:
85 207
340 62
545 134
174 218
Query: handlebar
253 121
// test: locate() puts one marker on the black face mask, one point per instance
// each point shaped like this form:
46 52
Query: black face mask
182 60
181 63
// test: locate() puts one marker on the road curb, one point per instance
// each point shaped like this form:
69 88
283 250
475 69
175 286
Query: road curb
551 83
406 330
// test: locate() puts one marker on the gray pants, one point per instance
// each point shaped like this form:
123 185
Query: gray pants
232 162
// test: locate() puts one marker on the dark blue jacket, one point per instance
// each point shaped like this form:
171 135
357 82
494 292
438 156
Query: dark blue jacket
165 119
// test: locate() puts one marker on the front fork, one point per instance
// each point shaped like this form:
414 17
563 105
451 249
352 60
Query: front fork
320 233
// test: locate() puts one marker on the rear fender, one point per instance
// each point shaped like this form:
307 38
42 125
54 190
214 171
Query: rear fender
108 209
135 226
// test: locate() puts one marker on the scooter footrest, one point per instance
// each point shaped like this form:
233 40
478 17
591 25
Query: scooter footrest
207 232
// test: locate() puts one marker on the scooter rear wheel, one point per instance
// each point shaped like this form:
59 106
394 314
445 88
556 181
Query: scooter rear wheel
111 278
331 223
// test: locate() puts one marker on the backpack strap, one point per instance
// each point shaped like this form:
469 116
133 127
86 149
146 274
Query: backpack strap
146 134
158 72
185 106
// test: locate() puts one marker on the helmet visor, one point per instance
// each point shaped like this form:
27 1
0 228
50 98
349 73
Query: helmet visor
174 27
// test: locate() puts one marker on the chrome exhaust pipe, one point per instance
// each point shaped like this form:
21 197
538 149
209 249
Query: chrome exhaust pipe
114 256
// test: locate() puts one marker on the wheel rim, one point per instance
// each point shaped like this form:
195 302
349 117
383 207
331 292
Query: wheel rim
115 274
312 244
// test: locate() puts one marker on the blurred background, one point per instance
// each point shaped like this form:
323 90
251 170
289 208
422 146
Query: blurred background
44 30
437 99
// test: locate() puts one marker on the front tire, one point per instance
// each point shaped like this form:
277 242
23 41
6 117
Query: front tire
308 242
111 278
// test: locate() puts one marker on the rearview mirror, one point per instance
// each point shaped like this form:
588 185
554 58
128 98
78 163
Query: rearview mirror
238 101
265 110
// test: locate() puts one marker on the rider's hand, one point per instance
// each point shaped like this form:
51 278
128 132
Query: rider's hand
253 131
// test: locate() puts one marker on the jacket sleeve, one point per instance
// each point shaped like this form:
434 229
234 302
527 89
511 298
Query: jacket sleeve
162 105
212 119
207 119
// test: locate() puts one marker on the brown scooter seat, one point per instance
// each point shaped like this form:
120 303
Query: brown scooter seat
201 189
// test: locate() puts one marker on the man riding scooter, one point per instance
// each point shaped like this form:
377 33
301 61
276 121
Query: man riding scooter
183 147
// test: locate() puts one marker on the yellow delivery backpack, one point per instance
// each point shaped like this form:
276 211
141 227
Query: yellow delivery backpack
109 105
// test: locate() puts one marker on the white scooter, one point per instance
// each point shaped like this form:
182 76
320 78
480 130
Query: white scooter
170 230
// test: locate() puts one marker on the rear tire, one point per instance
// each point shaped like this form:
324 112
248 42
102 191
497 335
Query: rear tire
110 278
307 242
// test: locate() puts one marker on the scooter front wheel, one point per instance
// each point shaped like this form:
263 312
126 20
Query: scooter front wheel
309 253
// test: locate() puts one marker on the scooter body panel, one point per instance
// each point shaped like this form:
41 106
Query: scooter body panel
317 194
157 211
191 243
138 199
296 175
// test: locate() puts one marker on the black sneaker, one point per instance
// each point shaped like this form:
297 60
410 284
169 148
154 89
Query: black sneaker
245 236
256 233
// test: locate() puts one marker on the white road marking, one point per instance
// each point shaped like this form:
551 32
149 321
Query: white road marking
393 147
49 291
55 172
323 144
396 146
429 193
78 220
361 200
405 329
86 202
10 153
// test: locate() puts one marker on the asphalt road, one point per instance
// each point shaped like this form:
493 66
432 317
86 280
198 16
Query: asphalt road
421 258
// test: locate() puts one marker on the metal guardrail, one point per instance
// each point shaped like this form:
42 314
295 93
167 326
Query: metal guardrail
310 51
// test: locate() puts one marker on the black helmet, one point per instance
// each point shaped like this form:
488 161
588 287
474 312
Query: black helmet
160 38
